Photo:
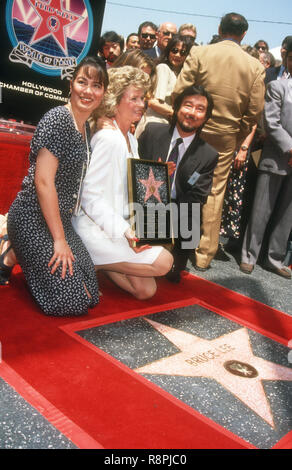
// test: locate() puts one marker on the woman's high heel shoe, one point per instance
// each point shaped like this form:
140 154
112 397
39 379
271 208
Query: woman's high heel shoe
5 271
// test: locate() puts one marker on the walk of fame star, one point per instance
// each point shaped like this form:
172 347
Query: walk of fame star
152 185
53 21
228 359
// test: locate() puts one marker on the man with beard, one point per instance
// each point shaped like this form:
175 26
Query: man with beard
192 160
235 80
111 45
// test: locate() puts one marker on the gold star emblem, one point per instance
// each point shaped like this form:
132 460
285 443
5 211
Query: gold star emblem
152 185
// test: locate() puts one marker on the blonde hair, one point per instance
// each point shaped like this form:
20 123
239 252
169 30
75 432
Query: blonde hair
250 50
119 80
140 60
190 26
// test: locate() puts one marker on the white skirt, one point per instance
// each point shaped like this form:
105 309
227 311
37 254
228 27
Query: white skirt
105 250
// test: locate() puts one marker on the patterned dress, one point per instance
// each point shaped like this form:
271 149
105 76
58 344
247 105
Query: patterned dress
29 233
233 201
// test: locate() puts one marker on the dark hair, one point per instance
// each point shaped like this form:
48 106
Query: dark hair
176 38
258 42
111 36
288 45
233 23
98 64
145 25
190 91
215 38
286 41
130 35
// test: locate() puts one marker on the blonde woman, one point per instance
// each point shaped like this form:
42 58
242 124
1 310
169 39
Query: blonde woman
102 222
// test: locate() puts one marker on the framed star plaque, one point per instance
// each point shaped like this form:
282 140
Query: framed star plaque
149 201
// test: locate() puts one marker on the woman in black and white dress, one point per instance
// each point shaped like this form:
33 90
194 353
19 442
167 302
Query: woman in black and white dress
55 263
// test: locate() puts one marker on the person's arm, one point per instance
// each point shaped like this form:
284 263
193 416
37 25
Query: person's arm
46 168
242 152
158 102
272 116
255 106
160 107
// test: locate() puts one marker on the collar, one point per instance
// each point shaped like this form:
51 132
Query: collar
232 40
186 140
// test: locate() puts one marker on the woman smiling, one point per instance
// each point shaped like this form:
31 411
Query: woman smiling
102 222
55 263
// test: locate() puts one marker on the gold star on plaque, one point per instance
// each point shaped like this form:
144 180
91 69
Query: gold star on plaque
152 185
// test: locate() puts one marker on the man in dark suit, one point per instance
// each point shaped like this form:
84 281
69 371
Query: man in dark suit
194 159
164 34
276 73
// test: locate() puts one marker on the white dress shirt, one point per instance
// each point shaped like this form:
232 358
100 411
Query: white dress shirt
182 148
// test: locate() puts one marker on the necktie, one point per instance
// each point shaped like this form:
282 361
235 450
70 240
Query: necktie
173 156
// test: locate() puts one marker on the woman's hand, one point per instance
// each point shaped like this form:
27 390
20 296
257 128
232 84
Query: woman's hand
240 159
132 240
62 255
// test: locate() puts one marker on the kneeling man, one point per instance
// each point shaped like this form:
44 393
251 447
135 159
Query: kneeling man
194 160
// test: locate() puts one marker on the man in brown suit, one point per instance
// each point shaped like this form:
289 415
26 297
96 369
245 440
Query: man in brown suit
236 82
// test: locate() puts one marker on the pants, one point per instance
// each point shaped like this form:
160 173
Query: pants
272 203
212 209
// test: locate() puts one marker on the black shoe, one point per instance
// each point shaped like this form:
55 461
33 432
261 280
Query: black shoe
5 271
221 255
173 276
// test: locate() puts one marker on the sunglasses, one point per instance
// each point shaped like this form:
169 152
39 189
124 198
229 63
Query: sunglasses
182 52
167 33
263 48
146 35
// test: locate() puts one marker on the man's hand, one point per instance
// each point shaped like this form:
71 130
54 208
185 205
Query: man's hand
171 166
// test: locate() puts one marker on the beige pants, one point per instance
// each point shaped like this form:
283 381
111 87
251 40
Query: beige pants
212 209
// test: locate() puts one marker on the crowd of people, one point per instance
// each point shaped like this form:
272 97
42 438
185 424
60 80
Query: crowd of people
205 111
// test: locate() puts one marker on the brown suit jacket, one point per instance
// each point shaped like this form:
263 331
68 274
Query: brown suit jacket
233 78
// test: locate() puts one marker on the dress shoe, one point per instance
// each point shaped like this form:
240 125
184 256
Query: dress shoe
173 276
283 272
221 255
246 268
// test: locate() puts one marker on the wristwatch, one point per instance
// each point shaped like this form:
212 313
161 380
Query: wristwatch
244 147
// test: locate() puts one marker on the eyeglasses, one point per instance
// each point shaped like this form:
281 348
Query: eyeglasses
167 33
182 52
146 35
263 48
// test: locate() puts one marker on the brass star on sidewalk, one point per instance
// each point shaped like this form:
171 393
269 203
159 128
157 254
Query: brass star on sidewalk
152 185
228 359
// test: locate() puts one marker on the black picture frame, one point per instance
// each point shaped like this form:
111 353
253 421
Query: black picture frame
150 201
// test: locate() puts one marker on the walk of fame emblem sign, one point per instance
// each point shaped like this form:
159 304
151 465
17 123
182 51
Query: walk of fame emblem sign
49 36
42 42
149 201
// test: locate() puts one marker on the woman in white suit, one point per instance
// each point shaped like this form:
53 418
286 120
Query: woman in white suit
102 221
